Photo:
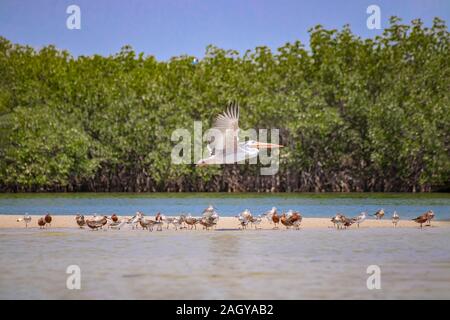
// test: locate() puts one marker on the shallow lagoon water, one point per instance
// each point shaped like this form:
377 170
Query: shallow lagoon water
311 205
227 264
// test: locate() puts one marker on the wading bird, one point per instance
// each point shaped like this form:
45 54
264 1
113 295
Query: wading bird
421 219
96 222
48 219
191 221
430 215
146 223
269 214
114 218
80 220
26 218
291 219
426 217
379 214
395 218
359 218
225 147
41 223
336 220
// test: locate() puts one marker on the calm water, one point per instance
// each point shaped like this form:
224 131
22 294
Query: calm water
311 205
269 264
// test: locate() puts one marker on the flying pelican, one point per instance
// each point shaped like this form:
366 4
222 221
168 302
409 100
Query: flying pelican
226 147
395 218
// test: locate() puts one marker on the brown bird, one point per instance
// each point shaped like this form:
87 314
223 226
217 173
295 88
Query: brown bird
207 222
346 221
114 217
96 222
379 214
421 219
80 221
41 223
275 219
284 220
294 218
48 219
147 224
191 221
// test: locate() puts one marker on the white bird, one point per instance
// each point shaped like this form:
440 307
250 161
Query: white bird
395 218
359 218
225 147
26 218
269 214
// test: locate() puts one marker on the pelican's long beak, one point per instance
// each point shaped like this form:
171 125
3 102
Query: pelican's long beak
262 145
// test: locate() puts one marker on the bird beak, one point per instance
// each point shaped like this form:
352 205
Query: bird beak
262 145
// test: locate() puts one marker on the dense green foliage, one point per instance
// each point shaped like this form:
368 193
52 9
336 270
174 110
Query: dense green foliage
355 114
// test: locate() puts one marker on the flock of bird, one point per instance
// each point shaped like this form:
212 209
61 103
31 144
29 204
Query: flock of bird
340 221
210 217
208 220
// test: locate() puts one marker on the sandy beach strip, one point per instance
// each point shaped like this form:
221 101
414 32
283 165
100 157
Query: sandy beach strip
10 221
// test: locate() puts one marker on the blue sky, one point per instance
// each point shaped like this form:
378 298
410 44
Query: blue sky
166 28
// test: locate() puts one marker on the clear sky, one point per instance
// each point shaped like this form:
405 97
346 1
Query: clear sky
166 28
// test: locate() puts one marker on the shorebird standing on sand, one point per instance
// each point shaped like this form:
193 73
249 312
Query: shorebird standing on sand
26 218
114 218
421 219
255 221
147 223
359 218
291 219
41 223
178 221
395 218
430 215
337 220
159 221
191 221
48 219
243 222
275 219
244 218
426 217
80 221
379 214
96 222
134 220
210 217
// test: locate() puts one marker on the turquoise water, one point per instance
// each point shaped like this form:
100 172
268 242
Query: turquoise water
311 205
253 264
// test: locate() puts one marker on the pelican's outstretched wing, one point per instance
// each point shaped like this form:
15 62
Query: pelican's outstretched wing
228 124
